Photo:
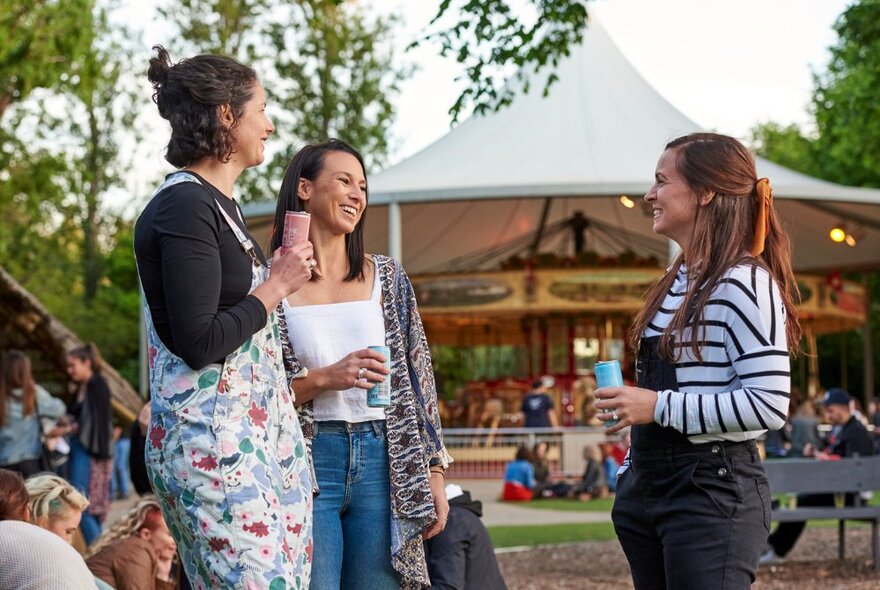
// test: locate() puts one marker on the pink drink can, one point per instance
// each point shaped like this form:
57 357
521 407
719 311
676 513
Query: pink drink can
296 228
379 396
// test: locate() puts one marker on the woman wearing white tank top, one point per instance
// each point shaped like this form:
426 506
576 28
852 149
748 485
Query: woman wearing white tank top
379 470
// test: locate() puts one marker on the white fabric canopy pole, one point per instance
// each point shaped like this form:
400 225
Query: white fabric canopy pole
395 231
674 249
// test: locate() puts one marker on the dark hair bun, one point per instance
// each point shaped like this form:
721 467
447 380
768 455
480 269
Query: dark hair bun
159 67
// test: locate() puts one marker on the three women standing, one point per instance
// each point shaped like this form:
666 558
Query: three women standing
379 470
225 452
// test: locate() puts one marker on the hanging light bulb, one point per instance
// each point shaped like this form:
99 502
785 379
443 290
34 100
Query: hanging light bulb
627 202
850 240
837 233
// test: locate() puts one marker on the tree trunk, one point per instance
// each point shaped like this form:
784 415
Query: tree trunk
91 255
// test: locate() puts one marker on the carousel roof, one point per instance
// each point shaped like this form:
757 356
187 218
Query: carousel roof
595 137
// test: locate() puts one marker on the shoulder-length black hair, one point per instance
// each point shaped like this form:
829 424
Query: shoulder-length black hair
308 163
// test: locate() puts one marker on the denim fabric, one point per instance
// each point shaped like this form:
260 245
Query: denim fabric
352 514
121 481
19 434
80 466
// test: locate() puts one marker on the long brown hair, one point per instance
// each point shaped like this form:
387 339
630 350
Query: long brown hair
13 496
15 373
723 230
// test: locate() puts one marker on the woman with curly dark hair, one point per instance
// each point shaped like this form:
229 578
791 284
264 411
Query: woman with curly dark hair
225 452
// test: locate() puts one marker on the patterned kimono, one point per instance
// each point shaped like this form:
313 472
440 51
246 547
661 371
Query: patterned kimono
412 422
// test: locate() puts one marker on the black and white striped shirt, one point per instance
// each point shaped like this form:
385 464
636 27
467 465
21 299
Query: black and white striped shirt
741 387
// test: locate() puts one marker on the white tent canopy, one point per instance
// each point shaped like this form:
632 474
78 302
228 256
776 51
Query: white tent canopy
595 137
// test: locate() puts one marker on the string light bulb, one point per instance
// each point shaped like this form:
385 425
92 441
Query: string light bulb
627 202
837 234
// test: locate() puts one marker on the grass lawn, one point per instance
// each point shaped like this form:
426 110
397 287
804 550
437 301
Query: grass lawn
516 536
570 504
519 535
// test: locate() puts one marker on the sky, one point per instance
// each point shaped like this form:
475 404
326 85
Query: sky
726 64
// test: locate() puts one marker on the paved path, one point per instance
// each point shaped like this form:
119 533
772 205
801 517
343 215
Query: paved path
509 513
485 490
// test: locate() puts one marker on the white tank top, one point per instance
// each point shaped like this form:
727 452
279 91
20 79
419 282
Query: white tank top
323 334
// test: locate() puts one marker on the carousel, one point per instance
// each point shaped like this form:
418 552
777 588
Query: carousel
530 248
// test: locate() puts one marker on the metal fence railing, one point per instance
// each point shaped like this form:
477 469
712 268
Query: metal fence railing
484 453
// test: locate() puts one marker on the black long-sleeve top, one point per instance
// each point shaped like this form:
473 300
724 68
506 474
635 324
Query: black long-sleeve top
94 415
195 275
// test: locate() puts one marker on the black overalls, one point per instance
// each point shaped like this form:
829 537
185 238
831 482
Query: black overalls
689 516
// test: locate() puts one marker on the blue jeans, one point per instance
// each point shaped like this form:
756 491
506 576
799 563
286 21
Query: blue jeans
352 514
80 466
121 479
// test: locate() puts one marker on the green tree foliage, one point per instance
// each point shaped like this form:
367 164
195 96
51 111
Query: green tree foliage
30 194
40 42
334 77
101 106
845 148
787 145
495 43
226 27
845 100
326 65
61 157
845 145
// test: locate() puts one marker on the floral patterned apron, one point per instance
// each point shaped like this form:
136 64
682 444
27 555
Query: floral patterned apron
227 460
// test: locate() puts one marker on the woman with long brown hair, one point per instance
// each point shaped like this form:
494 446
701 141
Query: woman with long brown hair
22 404
693 504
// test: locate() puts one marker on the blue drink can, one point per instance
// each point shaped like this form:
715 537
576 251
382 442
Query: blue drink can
379 396
608 374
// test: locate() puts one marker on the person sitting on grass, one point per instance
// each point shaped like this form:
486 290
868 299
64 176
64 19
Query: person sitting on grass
55 505
609 464
461 557
593 483
137 552
519 477
31 557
